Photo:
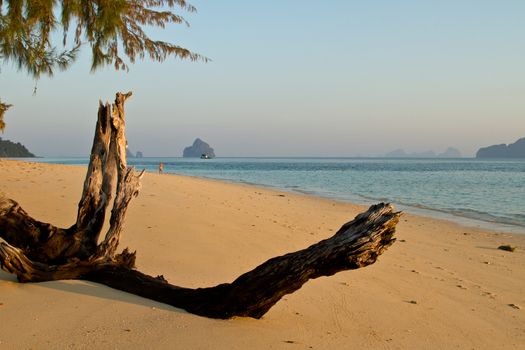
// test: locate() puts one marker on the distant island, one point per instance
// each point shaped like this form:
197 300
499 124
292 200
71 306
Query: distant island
10 149
199 149
449 153
130 154
513 150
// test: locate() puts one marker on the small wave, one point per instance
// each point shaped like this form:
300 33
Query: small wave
477 215
307 192
513 220
378 199
488 217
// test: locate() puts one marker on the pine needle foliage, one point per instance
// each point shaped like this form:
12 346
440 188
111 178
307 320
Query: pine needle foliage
3 108
115 30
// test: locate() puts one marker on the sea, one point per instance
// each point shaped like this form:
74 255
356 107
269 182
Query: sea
481 193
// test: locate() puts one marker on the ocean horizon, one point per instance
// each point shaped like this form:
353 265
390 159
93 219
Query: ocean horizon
484 193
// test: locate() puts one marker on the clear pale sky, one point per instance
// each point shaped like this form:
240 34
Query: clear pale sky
300 78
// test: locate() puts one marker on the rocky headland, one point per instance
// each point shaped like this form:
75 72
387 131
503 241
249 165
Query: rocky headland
513 150
9 149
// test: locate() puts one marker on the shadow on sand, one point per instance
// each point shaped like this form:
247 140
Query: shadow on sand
94 290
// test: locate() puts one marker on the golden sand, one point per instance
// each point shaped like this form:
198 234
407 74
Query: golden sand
440 286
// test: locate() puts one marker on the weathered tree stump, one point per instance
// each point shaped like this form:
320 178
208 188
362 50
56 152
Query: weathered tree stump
37 251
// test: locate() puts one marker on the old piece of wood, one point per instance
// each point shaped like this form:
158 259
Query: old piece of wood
357 244
36 251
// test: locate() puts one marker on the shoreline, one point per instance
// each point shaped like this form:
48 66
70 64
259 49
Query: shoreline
441 285
431 213
470 221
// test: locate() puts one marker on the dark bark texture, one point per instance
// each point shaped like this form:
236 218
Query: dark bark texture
36 251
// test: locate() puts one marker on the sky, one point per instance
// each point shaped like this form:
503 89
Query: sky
334 78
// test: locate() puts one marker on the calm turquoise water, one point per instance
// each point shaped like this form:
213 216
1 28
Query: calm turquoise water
485 193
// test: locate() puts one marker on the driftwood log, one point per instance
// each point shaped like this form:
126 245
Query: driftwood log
36 251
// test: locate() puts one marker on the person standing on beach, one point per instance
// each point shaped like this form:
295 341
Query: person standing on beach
161 168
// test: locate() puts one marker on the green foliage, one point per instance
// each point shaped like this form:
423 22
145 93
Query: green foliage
114 30
3 107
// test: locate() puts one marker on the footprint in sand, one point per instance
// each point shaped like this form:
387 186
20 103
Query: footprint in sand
488 294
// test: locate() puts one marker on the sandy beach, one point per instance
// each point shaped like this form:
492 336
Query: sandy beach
440 286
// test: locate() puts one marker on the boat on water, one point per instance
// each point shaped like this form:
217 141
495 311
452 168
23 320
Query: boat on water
205 156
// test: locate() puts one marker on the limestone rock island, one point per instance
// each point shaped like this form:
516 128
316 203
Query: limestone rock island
513 150
199 149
